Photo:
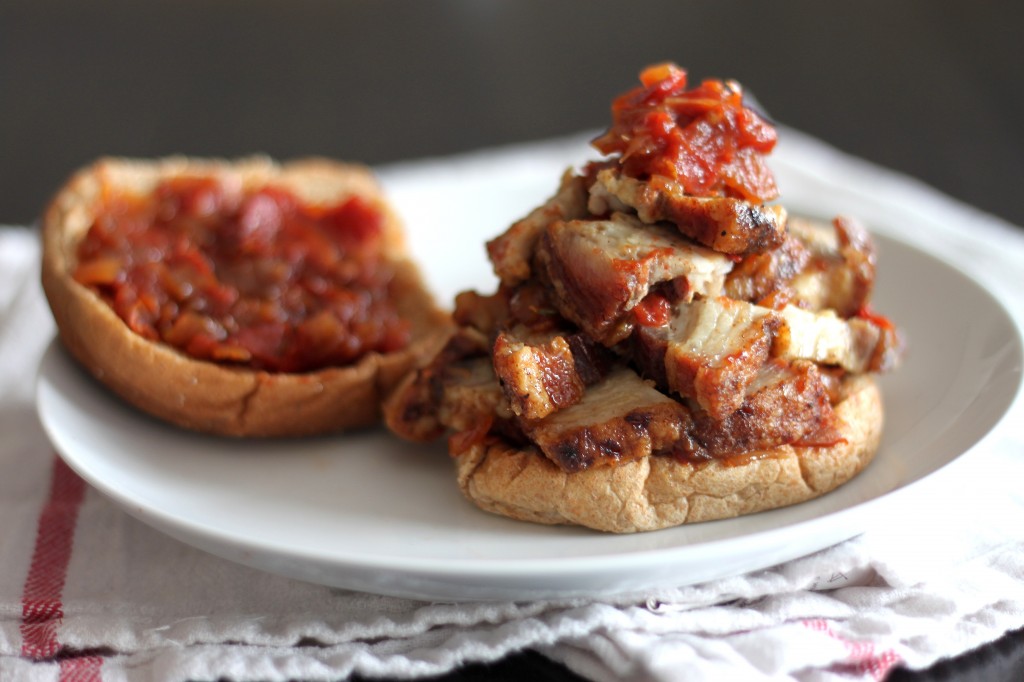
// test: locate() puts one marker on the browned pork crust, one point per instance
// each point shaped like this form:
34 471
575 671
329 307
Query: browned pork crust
724 224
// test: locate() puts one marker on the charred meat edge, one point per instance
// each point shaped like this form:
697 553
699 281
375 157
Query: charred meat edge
599 270
723 224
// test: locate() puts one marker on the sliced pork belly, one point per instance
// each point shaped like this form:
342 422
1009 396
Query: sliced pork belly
840 273
787 403
422 406
511 253
600 269
857 345
619 419
817 268
854 283
525 303
711 351
623 418
538 374
542 372
726 225
484 313
761 275
471 395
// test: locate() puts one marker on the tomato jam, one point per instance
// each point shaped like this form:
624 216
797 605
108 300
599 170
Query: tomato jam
704 138
654 310
254 278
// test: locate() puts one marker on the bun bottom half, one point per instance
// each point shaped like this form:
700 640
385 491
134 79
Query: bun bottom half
659 491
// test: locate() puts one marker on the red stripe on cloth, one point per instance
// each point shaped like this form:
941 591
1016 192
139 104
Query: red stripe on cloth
863 659
41 606
82 669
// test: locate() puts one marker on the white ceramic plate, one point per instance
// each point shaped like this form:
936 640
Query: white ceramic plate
371 513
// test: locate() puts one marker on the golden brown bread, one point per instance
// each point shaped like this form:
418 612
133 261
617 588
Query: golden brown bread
206 396
659 491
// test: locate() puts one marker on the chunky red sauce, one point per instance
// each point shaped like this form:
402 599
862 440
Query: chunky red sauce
654 310
252 278
704 138
868 313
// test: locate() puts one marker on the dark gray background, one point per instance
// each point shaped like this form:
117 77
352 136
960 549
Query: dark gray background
930 88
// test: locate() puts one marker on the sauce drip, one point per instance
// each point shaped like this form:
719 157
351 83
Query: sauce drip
253 278
703 138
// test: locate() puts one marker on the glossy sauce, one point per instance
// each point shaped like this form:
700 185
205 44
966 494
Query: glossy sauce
703 138
255 278
654 310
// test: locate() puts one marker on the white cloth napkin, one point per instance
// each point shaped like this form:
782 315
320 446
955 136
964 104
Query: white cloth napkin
89 593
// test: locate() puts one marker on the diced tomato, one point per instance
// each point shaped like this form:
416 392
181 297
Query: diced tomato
705 138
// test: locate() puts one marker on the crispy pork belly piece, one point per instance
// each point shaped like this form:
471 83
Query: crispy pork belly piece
511 252
537 378
619 419
861 259
592 360
471 395
787 403
724 224
840 273
414 410
484 313
761 275
711 350
600 269
526 304
541 373
857 345
623 418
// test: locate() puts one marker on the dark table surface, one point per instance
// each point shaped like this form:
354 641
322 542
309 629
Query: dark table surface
933 89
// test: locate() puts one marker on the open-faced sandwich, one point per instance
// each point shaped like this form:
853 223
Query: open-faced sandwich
240 298
664 346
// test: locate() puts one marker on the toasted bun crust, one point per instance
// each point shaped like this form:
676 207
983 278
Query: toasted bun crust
205 396
660 492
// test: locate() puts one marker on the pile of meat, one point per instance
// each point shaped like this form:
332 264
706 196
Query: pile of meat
641 312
